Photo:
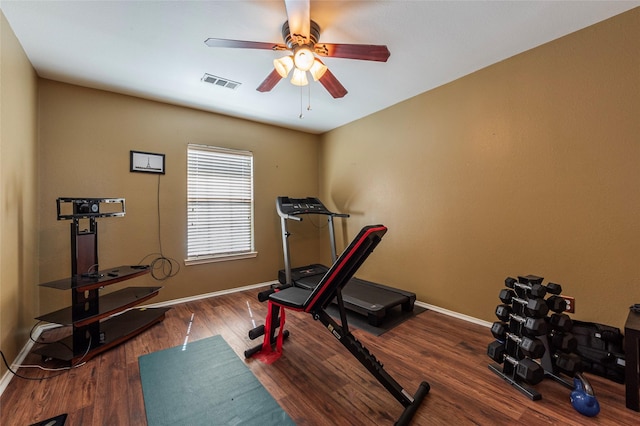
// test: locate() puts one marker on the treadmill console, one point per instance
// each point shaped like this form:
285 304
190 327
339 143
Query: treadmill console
296 206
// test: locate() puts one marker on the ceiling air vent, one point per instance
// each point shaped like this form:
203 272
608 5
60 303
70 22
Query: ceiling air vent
219 81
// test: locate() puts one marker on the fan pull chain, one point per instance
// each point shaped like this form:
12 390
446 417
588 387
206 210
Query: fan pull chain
301 116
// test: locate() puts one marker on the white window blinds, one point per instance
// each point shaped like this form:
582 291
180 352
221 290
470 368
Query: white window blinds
219 203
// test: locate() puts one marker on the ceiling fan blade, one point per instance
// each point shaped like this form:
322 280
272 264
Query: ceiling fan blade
269 82
333 86
242 44
365 52
299 17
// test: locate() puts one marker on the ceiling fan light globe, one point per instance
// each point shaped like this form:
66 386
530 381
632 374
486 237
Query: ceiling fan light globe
283 65
303 58
317 70
299 78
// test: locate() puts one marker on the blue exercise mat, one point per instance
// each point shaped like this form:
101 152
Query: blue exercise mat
205 383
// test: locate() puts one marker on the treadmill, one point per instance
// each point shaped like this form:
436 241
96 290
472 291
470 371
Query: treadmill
363 297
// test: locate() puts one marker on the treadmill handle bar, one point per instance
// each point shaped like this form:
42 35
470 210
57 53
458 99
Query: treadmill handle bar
332 234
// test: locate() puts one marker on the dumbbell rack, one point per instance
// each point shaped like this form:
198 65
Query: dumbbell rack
546 365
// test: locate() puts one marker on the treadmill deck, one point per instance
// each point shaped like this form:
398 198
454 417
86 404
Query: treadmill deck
364 297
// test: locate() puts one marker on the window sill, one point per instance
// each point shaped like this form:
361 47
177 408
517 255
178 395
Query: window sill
219 258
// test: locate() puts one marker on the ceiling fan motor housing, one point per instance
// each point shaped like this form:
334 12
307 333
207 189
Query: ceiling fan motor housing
293 40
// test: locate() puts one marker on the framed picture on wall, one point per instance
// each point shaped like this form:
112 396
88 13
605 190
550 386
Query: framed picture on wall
146 162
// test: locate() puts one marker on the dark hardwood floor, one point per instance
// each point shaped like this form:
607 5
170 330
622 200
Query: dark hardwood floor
317 381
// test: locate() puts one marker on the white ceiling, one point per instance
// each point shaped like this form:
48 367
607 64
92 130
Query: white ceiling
156 50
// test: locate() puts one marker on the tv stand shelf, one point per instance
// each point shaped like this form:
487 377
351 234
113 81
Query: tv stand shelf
109 304
98 322
114 331
101 279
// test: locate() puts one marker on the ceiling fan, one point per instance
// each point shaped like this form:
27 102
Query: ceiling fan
301 37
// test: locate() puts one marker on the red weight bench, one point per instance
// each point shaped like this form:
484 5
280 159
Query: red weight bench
315 301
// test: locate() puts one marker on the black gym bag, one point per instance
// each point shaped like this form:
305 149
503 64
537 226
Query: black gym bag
601 349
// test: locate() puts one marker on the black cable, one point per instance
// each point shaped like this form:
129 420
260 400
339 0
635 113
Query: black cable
31 333
162 267
62 370
20 375
158 211
47 343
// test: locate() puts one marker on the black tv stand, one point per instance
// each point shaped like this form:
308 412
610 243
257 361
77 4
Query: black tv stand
98 322
366 298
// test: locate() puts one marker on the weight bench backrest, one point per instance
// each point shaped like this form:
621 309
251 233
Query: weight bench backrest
336 277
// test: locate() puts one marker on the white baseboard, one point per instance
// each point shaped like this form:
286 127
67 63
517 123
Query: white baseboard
208 295
454 314
6 378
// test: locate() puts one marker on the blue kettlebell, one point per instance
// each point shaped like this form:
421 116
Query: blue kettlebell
583 398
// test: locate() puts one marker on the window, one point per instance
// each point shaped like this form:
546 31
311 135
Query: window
219 204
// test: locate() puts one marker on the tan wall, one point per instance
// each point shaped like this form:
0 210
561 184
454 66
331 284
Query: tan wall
18 213
530 166
85 139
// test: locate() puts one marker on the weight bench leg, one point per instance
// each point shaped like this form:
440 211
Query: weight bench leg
273 322
374 366
254 350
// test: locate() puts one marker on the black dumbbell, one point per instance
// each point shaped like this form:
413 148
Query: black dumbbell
569 364
531 347
506 295
534 289
556 304
534 307
529 370
531 280
563 341
553 288
561 322
532 326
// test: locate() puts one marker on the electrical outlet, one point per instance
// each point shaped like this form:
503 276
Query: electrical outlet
571 303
